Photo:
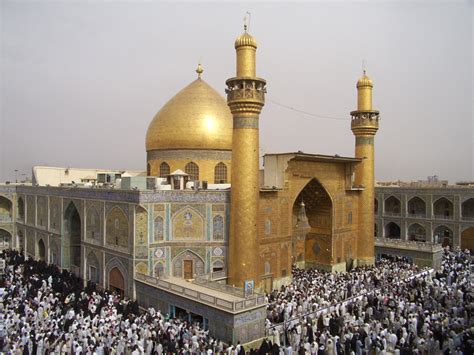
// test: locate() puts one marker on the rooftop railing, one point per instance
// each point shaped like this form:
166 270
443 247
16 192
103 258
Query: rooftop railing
203 297
407 244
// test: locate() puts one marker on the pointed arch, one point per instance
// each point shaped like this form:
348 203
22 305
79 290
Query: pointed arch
416 207
417 232
392 230
73 232
187 223
443 208
187 256
318 221
118 271
392 205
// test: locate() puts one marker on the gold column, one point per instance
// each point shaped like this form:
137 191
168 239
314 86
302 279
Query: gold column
245 97
364 125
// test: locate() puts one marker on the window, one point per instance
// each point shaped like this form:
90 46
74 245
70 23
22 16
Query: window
164 170
220 174
192 170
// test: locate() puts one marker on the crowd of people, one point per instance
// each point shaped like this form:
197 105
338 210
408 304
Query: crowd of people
45 311
312 289
391 308
400 310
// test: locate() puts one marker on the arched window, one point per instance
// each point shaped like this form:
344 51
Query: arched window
220 174
158 232
164 170
192 170
218 228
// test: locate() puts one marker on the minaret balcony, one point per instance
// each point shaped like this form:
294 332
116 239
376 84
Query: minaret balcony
246 89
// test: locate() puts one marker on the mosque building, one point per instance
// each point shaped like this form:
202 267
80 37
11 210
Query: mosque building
204 232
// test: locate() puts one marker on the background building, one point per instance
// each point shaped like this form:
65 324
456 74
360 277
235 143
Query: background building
416 219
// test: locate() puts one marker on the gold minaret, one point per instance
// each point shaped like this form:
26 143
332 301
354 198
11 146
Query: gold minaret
364 125
245 97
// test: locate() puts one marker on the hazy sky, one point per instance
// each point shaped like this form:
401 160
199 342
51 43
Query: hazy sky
81 80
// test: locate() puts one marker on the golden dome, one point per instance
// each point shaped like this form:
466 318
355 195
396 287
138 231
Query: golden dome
197 117
365 81
245 40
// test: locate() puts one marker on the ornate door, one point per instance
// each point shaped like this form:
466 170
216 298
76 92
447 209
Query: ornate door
188 269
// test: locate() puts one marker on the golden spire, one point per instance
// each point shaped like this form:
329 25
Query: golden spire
199 70
364 92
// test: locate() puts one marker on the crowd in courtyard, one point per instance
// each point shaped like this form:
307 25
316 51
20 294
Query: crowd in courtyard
391 308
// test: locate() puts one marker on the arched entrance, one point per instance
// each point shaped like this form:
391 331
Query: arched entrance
314 245
187 265
5 239
41 250
443 235
73 233
467 239
116 281
392 231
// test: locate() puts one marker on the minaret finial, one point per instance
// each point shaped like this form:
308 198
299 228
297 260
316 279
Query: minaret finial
364 69
199 70
247 21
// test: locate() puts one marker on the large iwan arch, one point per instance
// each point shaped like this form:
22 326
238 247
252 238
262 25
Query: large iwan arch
316 247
